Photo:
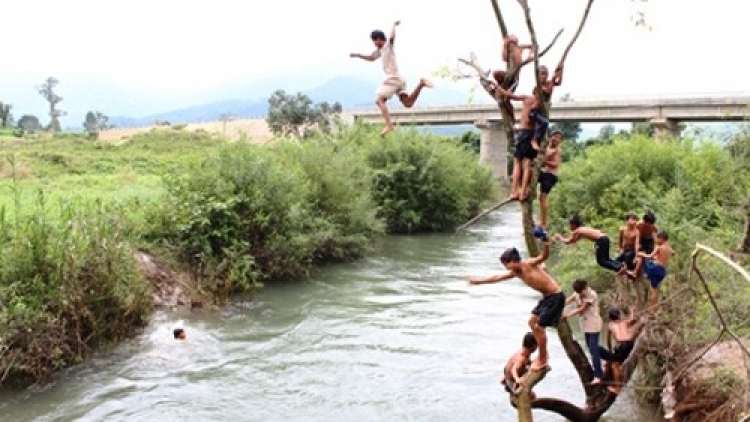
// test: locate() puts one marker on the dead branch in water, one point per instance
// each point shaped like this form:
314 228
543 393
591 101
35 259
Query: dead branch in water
483 214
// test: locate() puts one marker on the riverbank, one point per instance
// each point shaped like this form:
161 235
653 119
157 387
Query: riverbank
94 233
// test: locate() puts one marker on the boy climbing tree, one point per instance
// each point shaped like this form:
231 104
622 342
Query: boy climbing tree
394 83
513 55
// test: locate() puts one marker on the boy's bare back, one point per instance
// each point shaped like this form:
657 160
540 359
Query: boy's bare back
622 330
538 279
589 233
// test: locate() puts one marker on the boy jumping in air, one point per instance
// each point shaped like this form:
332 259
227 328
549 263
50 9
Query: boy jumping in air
655 265
601 243
394 83
549 310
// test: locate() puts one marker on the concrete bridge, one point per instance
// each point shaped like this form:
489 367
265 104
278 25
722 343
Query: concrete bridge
665 113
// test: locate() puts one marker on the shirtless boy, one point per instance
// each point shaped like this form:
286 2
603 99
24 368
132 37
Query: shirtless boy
655 265
394 83
524 154
647 230
628 241
549 310
518 364
513 55
548 85
601 243
622 332
548 174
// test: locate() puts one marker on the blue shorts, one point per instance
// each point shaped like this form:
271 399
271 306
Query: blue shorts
654 272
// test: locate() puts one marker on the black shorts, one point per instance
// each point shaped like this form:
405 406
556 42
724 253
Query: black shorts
546 181
523 145
620 352
550 309
647 244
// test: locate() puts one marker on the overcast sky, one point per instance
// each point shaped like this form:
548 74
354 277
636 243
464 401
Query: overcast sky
175 50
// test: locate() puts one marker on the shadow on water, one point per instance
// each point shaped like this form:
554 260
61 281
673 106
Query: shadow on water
397 336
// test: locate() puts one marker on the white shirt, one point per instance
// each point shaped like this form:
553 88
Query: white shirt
389 59
591 321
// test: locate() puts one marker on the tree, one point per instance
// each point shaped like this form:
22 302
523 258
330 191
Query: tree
47 90
297 115
643 128
606 133
96 122
6 118
29 123
471 139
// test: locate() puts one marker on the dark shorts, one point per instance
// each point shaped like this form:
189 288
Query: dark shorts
619 354
550 309
547 181
655 272
628 257
523 145
647 244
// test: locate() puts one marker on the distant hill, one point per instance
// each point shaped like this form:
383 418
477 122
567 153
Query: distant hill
350 91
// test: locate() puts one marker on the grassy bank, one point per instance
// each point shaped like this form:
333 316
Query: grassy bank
696 192
73 211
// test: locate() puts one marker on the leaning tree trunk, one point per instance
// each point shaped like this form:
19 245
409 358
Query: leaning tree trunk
745 244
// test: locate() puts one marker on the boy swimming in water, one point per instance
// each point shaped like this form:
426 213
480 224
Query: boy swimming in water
179 334
549 310
394 83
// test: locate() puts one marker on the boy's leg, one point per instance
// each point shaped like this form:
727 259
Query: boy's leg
517 168
383 107
602 256
541 341
408 100
525 178
615 389
542 123
637 270
592 343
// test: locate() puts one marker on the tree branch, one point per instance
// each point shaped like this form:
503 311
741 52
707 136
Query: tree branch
483 214
578 32
500 20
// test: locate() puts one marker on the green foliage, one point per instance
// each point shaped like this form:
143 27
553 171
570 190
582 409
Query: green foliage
29 123
424 183
298 116
68 282
472 140
571 130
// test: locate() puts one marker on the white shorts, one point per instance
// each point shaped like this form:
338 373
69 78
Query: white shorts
391 86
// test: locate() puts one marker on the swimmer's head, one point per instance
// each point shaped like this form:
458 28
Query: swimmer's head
529 342
179 333
575 222
511 258
378 38
579 285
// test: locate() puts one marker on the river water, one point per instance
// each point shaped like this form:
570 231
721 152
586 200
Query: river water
398 336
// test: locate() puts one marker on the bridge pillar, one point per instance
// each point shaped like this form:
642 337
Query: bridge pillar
493 148
665 128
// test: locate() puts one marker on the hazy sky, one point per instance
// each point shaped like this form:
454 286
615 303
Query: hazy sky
175 50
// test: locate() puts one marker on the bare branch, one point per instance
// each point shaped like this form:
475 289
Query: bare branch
499 17
532 33
578 32
483 214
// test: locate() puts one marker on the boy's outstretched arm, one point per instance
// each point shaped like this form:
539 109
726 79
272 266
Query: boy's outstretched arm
649 255
393 32
572 239
557 76
542 256
505 93
577 311
491 279
368 57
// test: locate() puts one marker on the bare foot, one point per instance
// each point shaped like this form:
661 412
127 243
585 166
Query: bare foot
614 390
622 270
631 274
538 366
595 381
388 129
426 82
523 195
513 197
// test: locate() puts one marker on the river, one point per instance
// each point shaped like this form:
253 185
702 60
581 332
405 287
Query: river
398 336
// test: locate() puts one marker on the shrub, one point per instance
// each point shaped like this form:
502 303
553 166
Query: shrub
68 282
425 183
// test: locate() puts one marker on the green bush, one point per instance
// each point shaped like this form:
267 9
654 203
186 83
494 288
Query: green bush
68 282
425 183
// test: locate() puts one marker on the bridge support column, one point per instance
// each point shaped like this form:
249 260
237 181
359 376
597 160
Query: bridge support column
493 148
665 128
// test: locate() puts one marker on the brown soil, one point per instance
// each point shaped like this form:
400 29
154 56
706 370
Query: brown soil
171 288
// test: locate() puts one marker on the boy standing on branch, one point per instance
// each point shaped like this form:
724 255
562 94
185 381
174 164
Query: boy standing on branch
394 83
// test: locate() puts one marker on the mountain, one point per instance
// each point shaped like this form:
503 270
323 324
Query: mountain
350 91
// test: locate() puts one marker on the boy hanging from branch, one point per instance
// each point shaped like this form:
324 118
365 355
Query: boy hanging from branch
394 83
513 57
